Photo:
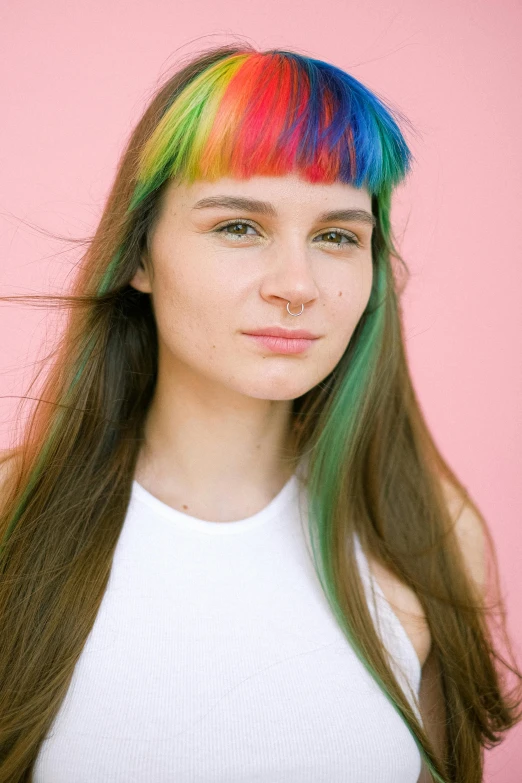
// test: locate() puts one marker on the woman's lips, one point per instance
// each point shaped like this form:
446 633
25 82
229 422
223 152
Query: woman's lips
282 344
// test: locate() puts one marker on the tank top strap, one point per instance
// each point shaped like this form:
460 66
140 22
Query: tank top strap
401 653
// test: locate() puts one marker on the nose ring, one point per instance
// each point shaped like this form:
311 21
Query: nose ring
288 309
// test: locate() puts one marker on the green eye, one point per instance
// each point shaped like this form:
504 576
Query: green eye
351 239
234 224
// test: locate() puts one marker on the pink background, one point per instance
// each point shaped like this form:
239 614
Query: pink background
76 77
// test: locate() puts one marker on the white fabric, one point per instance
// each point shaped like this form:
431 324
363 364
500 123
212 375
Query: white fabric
215 657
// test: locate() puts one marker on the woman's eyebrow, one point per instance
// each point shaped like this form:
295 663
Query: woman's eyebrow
265 208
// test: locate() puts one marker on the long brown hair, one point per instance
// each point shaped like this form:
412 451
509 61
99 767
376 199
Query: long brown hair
373 466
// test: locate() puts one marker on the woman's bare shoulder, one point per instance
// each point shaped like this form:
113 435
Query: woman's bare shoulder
470 532
407 607
404 601
9 461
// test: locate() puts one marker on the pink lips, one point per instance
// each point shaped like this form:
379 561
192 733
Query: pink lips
281 340
278 331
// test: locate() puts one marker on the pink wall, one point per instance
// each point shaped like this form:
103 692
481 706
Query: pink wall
76 77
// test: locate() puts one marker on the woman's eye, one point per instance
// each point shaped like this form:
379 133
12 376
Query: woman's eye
238 224
350 238
238 229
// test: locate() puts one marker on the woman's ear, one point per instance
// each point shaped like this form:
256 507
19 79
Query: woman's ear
141 279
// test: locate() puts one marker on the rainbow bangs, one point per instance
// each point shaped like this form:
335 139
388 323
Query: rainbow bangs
271 114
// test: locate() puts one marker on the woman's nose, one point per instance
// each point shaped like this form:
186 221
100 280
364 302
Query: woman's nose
291 278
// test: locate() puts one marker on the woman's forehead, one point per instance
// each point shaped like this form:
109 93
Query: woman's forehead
267 194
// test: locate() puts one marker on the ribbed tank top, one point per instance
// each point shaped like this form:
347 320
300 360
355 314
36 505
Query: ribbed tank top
215 656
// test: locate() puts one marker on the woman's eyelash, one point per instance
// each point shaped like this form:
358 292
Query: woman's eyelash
352 240
220 229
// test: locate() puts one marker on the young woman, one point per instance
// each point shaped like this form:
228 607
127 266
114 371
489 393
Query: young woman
230 547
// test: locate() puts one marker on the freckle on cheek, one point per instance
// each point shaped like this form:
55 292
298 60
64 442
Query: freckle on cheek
340 293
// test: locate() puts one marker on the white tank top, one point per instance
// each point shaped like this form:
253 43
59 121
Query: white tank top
215 657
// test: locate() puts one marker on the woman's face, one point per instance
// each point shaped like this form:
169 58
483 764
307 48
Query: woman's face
211 285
